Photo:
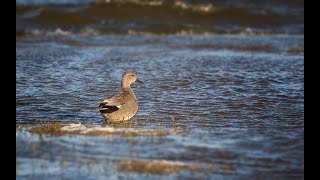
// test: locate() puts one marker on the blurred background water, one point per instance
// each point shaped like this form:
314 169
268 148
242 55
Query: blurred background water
232 73
159 17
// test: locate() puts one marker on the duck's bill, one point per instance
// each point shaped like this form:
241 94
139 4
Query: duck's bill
138 81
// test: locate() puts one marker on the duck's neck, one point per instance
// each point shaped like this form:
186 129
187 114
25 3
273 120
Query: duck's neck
125 85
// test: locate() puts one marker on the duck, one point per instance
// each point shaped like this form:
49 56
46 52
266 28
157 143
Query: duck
123 105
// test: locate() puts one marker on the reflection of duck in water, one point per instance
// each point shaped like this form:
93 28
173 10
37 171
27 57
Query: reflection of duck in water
123 105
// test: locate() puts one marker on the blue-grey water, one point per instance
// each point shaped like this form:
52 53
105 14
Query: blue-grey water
240 97
224 79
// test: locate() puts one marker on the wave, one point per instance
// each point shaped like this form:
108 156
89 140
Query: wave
137 2
158 17
46 2
205 8
184 5
92 32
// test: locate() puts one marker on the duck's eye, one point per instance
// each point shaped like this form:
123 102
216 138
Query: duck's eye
132 75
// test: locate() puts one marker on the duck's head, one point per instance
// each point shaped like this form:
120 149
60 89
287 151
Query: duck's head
128 78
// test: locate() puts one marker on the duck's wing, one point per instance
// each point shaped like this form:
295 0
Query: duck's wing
116 100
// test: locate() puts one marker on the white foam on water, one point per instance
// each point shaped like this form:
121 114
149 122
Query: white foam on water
83 129
204 8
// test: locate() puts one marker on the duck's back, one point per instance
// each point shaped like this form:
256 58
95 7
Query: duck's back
120 107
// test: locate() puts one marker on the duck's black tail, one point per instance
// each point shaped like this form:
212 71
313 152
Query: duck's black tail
103 108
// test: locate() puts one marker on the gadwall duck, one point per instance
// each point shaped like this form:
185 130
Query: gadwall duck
123 105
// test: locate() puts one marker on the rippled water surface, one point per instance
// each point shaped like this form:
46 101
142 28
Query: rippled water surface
36 17
240 98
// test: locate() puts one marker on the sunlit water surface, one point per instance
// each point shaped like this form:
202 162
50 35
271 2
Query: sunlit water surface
240 98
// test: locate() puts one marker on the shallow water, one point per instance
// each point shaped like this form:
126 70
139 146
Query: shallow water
241 98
